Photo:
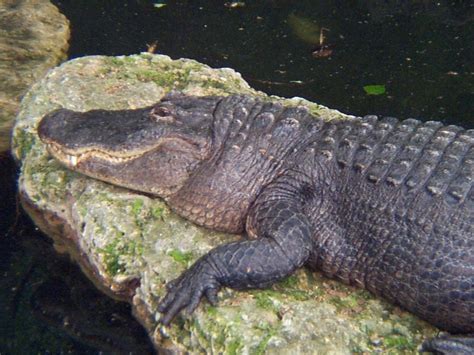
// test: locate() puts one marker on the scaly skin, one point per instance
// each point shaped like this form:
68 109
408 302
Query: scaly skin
386 205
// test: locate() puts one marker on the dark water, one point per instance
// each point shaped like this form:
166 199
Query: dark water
46 303
421 52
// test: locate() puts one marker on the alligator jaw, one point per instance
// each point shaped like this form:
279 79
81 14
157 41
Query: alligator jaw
72 159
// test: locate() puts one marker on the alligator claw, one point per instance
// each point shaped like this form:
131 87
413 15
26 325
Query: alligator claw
211 295
186 291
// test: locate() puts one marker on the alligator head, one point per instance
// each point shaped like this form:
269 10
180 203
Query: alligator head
153 149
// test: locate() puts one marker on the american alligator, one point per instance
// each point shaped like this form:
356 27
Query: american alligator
382 204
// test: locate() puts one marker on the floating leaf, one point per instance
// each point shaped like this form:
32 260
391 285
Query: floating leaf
374 89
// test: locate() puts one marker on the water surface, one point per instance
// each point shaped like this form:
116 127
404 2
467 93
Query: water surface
421 52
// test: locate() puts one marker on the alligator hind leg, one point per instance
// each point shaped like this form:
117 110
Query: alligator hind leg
450 345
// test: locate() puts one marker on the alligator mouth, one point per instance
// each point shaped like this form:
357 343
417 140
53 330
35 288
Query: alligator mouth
73 158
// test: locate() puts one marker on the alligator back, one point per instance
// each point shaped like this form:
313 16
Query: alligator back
409 154
395 214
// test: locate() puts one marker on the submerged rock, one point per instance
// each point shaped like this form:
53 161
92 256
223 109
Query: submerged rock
130 245
33 38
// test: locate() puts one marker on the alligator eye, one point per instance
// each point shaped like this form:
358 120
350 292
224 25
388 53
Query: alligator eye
161 114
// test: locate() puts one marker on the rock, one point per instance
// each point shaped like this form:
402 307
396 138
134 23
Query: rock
33 38
130 245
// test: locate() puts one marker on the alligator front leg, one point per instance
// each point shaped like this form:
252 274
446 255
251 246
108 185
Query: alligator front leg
284 244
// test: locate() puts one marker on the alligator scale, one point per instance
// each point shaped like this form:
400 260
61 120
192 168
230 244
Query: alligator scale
382 204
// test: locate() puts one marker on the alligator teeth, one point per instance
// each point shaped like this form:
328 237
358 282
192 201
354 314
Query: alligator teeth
73 160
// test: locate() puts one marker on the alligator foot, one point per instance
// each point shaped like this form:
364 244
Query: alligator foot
186 291
449 345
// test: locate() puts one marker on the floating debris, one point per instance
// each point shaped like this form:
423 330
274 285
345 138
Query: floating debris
152 47
158 4
281 83
322 50
234 4
309 32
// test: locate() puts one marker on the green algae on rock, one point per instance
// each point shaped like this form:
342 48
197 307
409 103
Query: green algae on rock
131 244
